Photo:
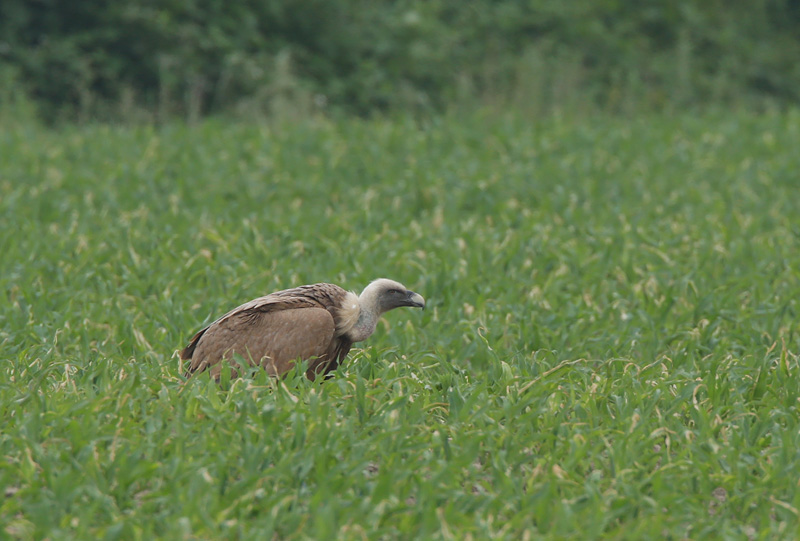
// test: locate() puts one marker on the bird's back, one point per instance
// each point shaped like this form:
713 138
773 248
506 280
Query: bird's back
275 330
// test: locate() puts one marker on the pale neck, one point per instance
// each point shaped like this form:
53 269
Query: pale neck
367 318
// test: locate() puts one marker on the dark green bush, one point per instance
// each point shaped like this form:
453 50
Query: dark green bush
98 58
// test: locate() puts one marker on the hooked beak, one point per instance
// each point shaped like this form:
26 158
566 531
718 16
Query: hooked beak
416 300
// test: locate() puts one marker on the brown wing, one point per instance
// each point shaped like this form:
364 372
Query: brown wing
274 340
269 303
274 331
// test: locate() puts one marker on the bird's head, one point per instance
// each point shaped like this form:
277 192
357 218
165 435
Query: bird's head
385 295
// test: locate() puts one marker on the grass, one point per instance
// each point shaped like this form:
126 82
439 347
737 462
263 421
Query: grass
608 349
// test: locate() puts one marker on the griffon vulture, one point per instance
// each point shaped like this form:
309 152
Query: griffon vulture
317 323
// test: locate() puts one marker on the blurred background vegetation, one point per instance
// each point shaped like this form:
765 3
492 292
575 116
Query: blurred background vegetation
159 59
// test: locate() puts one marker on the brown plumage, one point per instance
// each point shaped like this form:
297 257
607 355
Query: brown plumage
318 323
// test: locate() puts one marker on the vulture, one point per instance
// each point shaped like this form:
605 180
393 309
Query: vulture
317 323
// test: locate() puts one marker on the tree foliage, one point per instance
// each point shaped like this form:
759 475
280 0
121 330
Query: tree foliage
202 56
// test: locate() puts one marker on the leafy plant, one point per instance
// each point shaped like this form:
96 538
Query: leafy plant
609 348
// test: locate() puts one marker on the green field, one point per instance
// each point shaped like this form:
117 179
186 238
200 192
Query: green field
609 350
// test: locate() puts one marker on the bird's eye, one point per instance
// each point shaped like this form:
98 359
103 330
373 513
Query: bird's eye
395 292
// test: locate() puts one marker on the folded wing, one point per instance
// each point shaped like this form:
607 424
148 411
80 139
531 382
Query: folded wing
273 332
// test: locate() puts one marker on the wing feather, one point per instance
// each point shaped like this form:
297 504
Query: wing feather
274 331
274 340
